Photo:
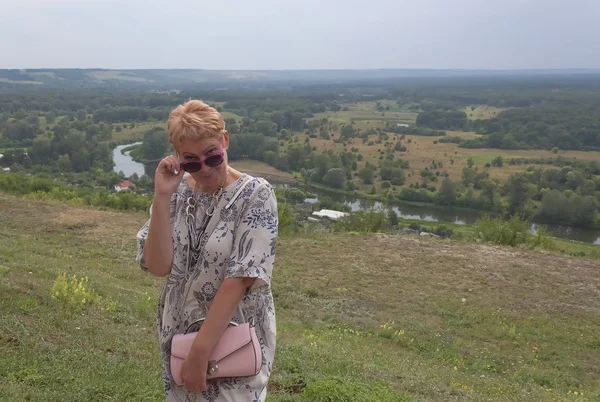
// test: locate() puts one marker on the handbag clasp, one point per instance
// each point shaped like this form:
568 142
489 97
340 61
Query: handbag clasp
213 367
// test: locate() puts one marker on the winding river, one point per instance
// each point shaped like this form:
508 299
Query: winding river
124 163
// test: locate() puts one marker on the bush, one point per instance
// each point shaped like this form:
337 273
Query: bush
514 232
75 294
443 231
286 218
363 222
414 226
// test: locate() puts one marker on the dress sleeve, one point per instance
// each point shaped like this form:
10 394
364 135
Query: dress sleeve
255 238
142 234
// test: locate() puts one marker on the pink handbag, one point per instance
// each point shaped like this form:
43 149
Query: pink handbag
236 354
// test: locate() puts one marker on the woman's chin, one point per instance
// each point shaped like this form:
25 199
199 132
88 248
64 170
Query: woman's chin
206 177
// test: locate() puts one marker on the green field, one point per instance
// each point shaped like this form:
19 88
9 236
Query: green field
365 115
427 319
482 112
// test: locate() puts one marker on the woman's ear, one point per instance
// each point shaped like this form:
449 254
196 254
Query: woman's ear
225 140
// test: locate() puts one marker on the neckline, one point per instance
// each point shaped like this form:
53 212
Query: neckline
201 195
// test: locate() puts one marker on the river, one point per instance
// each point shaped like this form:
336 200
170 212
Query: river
128 166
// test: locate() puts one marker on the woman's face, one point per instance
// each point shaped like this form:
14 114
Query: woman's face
200 150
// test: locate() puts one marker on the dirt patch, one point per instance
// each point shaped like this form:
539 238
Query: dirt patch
393 273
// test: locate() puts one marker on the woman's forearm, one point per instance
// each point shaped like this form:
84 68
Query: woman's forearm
158 249
220 313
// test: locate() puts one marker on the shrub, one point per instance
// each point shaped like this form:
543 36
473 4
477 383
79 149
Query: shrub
286 218
415 226
363 222
514 232
74 293
443 231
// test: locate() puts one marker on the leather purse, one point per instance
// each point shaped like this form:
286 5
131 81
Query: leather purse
236 354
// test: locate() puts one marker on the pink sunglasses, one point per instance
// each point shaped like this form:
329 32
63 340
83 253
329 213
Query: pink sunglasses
214 160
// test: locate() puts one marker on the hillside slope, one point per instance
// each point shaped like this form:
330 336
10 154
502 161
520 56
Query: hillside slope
427 319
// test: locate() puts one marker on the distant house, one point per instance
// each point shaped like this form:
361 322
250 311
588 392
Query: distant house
124 185
6 169
402 125
331 214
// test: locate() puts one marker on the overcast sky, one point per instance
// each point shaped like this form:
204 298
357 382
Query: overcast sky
293 34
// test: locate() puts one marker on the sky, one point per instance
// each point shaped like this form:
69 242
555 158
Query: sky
307 34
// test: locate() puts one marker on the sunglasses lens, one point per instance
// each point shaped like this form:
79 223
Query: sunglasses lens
214 160
192 166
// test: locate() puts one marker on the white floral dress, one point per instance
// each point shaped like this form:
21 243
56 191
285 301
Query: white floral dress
238 241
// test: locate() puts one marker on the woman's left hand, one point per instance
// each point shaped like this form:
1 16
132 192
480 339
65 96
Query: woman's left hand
194 371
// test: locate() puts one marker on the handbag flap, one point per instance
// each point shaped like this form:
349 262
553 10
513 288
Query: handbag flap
232 339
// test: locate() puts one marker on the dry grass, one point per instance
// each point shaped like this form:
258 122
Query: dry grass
262 169
422 152
365 115
477 322
483 112
538 282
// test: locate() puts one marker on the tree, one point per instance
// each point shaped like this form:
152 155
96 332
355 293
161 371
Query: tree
347 131
41 151
50 117
581 210
335 178
554 205
323 133
155 144
81 161
468 176
20 130
64 163
518 192
393 218
366 175
447 193
470 163
498 161
575 180
399 147
267 128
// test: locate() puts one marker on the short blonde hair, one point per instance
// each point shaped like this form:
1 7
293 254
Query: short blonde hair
194 120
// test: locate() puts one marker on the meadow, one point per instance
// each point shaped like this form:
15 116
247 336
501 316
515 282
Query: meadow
422 151
360 317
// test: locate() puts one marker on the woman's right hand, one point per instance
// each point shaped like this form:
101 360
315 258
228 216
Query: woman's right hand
165 179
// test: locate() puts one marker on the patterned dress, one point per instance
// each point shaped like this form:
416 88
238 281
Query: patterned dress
239 240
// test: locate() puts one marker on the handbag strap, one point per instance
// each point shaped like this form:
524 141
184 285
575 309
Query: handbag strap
247 180
231 323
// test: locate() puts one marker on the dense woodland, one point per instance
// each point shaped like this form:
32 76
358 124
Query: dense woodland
68 135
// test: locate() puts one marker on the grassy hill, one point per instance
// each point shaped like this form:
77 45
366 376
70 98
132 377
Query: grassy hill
359 317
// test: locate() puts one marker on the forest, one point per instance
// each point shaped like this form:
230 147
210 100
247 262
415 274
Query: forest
358 136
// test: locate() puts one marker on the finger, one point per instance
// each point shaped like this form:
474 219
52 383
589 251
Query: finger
203 386
172 165
191 387
176 166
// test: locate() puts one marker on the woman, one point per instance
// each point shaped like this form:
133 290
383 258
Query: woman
213 232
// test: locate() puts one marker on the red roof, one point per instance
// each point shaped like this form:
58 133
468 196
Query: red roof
126 184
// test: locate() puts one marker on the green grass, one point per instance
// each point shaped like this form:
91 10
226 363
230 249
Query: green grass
136 133
359 317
